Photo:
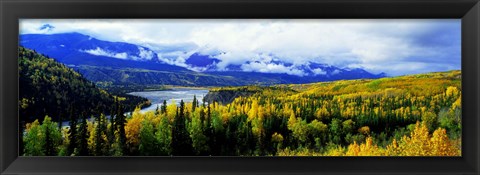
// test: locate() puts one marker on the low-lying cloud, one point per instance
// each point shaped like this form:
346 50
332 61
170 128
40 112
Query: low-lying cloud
100 52
393 46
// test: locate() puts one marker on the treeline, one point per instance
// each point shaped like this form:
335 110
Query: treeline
413 115
121 89
51 88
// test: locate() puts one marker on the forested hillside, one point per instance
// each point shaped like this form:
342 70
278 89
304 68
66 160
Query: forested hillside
146 77
51 88
415 115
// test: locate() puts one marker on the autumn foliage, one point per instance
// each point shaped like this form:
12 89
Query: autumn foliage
414 115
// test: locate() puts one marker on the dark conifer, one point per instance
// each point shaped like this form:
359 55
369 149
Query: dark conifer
83 140
72 132
181 141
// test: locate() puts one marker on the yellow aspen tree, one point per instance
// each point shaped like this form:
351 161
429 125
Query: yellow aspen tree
441 145
393 149
418 142
132 129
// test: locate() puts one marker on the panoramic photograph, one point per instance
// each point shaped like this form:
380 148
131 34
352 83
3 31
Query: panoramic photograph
240 87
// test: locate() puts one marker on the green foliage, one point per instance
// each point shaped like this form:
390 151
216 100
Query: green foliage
199 140
42 140
163 135
34 140
148 143
430 119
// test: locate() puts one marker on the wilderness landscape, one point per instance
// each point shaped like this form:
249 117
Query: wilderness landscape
279 88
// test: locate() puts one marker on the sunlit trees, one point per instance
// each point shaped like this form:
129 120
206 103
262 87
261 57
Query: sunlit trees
386 117
199 140
277 140
163 135
441 145
33 140
430 120
318 132
42 140
365 149
132 130
53 136
148 143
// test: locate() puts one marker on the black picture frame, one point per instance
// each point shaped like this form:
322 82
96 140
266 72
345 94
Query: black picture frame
13 10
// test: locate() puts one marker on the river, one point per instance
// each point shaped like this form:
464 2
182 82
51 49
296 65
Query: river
157 97
177 94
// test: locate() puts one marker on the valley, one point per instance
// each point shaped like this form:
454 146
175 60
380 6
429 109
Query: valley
121 99
412 115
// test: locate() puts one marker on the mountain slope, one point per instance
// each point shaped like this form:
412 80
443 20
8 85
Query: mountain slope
124 63
50 88
154 77
79 49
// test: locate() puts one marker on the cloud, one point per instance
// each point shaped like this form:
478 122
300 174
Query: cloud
145 54
336 71
319 71
100 52
271 68
394 46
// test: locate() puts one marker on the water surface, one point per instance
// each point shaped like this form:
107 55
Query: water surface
177 94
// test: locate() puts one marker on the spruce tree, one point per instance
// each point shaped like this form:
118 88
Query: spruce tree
99 132
157 110
53 137
72 133
121 120
83 140
194 103
49 150
209 129
164 107
181 141
111 131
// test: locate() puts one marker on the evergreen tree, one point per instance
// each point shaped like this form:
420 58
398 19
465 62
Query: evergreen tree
111 131
99 135
164 107
181 141
121 120
157 110
72 132
83 140
53 136
194 103
209 128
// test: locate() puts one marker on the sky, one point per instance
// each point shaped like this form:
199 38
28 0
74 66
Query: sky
393 46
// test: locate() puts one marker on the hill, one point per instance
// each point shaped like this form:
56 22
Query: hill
51 88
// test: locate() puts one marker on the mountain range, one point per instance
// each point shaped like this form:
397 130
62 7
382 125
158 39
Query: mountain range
126 63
